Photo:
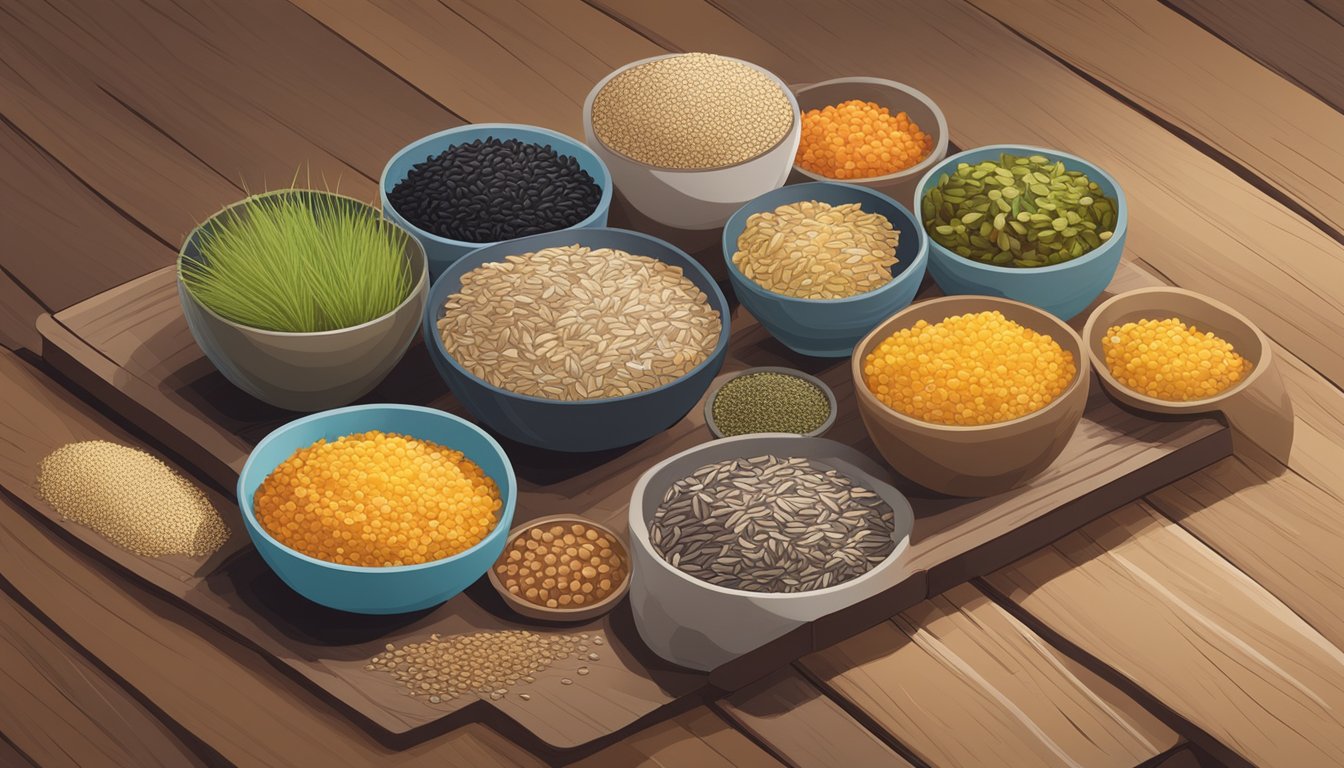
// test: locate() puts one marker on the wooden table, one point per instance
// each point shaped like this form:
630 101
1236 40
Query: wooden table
1201 625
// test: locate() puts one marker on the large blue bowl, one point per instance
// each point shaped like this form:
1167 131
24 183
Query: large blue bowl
443 251
1064 289
830 327
582 425
394 589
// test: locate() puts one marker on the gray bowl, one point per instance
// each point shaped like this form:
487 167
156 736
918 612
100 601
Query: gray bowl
813 380
306 371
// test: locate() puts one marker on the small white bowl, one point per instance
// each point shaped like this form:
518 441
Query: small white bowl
694 198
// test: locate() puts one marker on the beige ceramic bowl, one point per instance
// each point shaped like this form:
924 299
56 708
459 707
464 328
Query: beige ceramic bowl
1257 406
980 460
541 612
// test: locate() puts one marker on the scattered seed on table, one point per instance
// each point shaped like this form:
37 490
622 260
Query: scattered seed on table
574 323
769 401
815 250
566 681
130 498
772 524
489 190
486 663
694 110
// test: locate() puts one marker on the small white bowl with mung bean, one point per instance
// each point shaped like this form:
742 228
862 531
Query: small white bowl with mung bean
690 137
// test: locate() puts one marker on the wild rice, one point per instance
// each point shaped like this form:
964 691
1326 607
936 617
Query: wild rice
573 323
771 524
814 250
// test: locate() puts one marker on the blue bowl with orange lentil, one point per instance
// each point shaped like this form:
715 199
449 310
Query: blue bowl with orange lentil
390 589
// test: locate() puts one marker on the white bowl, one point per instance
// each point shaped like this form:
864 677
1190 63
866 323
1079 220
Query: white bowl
695 198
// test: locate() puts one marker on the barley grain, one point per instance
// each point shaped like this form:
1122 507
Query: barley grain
814 250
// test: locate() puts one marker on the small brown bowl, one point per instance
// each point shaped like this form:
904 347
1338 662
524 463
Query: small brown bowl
980 460
542 613
1257 406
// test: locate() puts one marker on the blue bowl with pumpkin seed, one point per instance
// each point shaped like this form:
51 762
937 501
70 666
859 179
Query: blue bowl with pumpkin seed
1054 241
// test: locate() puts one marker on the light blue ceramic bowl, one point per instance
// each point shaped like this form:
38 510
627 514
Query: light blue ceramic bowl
583 425
443 251
830 327
1063 290
395 589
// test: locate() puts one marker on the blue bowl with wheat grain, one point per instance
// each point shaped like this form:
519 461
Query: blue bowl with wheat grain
830 327
443 251
1064 289
576 426
391 589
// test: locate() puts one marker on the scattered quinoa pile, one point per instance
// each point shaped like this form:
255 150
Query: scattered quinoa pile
815 250
486 663
376 499
695 110
1170 360
573 323
859 139
967 370
131 498
563 565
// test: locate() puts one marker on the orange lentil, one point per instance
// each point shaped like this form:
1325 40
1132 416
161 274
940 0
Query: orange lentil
376 499
858 139
968 370
1169 360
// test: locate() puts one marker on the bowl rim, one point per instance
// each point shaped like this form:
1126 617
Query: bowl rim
1087 166
723 379
794 125
255 527
1082 366
640 533
920 259
417 249
939 146
432 315
1093 328
563 614
556 138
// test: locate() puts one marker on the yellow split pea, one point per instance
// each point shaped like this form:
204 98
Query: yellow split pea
968 370
1169 360
377 499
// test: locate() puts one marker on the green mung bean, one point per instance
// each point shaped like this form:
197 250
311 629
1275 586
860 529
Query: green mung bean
1018 212
769 402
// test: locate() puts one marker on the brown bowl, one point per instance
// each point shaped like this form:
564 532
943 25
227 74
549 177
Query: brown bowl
980 460
1257 406
541 612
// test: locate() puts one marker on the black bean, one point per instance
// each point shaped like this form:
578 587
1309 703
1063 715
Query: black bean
489 190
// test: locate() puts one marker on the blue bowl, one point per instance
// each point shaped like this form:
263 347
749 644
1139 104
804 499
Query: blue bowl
1064 289
830 327
394 589
583 425
443 251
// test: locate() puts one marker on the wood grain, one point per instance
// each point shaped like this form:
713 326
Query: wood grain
697 739
61 710
1194 220
1299 39
1224 99
804 727
1142 596
960 659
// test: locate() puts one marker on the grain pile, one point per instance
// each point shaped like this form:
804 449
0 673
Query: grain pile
1170 360
695 110
858 140
563 565
573 323
131 498
771 524
442 668
815 250
769 401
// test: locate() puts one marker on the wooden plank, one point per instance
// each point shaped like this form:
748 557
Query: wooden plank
11 756
804 727
697 739
1140 595
1299 39
1224 99
962 683
61 710
1195 221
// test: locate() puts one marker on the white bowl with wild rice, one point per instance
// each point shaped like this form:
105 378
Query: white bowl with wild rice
690 137
737 542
